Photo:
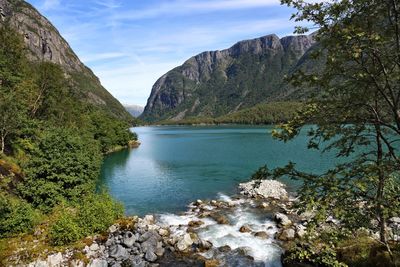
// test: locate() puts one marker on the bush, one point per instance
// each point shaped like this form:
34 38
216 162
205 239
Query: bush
65 166
65 230
94 215
16 216
98 212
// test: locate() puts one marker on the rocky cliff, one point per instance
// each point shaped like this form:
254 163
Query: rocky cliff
216 83
44 42
134 110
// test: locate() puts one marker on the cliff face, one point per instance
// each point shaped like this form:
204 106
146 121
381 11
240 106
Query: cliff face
221 82
44 42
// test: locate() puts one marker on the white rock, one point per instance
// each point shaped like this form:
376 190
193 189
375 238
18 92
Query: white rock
77 263
112 229
55 260
98 263
184 242
282 219
149 219
264 188
301 230
38 263
163 232
94 247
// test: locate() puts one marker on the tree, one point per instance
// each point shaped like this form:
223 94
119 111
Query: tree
11 118
65 166
356 111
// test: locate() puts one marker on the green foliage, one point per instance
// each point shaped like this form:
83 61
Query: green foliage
65 229
16 216
97 212
109 132
261 174
94 214
64 166
265 113
355 113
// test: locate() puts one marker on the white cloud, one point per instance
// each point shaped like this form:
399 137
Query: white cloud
184 7
101 56
50 4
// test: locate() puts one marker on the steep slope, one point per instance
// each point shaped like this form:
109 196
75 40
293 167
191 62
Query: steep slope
216 83
44 42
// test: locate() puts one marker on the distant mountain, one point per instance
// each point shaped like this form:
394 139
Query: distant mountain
44 42
134 110
213 84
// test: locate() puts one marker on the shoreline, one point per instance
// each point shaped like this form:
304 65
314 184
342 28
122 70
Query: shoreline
197 236
131 145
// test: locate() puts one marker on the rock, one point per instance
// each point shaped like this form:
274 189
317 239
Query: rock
38 263
224 249
264 205
300 230
98 263
77 263
395 220
264 188
160 252
55 260
205 245
112 229
129 239
138 262
332 220
262 235
282 219
149 245
287 235
118 252
149 219
184 243
219 218
150 256
245 229
94 247
195 223
212 263
163 232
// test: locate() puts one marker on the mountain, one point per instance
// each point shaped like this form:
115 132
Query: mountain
217 83
134 110
44 42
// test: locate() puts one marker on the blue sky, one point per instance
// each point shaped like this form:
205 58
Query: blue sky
131 43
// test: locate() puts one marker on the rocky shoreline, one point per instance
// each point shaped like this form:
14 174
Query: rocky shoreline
249 229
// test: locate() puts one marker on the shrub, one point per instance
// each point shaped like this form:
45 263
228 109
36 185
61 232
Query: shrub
65 166
65 229
16 216
98 212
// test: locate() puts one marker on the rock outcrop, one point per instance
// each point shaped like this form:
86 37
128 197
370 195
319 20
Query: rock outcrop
220 82
45 43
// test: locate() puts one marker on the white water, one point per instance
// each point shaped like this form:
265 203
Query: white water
262 250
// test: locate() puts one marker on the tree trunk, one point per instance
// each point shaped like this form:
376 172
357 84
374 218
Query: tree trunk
2 143
381 185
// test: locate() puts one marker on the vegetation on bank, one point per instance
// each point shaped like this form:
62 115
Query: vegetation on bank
261 114
51 149
359 41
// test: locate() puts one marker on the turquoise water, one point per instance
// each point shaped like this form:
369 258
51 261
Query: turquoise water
178 164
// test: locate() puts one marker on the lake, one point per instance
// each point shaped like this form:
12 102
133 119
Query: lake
178 164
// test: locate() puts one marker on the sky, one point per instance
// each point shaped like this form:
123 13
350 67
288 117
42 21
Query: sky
129 44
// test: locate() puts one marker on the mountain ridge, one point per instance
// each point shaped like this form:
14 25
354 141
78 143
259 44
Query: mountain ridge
45 43
215 83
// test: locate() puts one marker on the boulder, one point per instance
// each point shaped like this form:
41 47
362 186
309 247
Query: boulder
97 263
219 218
287 235
129 239
301 230
55 260
112 229
184 243
195 224
264 189
245 229
150 256
38 263
262 235
282 219
149 219
163 232
118 252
